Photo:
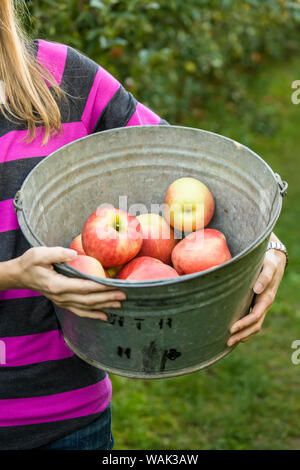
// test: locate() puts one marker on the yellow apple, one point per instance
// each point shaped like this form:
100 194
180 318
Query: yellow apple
189 205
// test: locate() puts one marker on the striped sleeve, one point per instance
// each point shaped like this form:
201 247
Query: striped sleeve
124 110
108 105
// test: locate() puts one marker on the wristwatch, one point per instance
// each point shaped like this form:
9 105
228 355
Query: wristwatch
278 246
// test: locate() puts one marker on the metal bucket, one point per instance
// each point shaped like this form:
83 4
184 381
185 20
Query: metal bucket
166 327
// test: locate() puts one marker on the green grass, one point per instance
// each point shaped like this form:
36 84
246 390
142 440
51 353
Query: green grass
250 399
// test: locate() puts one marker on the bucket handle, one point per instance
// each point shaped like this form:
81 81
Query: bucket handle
282 185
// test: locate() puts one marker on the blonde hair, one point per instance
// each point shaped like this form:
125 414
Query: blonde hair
28 97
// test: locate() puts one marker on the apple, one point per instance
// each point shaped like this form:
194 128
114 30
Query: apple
88 265
112 236
200 250
158 237
146 268
76 244
189 205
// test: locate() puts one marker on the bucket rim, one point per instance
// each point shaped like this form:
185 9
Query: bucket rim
65 268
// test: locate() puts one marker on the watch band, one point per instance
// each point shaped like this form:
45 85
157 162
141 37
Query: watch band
280 247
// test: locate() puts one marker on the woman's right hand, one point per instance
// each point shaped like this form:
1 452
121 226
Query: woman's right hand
34 270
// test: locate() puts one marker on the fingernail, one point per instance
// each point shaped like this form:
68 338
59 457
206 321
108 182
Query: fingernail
258 288
121 296
230 343
73 254
116 305
102 316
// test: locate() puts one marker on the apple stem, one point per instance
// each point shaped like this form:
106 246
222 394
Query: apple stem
117 224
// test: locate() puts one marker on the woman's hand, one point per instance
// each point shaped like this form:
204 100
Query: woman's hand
265 287
33 270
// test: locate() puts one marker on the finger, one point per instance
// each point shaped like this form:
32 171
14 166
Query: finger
248 338
87 314
265 278
260 323
245 333
90 300
50 255
96 307
261 306
59 284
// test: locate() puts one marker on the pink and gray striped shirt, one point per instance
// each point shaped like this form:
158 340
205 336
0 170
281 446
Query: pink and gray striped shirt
46 391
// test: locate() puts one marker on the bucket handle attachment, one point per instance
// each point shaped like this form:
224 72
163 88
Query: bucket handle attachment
17 202
282 185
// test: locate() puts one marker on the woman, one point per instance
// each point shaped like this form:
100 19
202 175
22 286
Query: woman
49 398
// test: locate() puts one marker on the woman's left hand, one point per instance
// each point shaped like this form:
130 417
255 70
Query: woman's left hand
265 287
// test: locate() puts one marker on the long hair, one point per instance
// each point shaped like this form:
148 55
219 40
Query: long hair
28 98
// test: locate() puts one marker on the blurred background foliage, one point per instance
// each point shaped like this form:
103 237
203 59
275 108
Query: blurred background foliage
226 66
175 55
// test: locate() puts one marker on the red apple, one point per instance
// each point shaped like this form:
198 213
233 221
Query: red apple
199 251
189 205
158 237
146 268
88 265
112 236
76 244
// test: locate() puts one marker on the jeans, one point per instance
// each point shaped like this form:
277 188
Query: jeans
95 436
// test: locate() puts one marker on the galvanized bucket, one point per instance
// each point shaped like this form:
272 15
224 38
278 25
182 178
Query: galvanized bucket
166 327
